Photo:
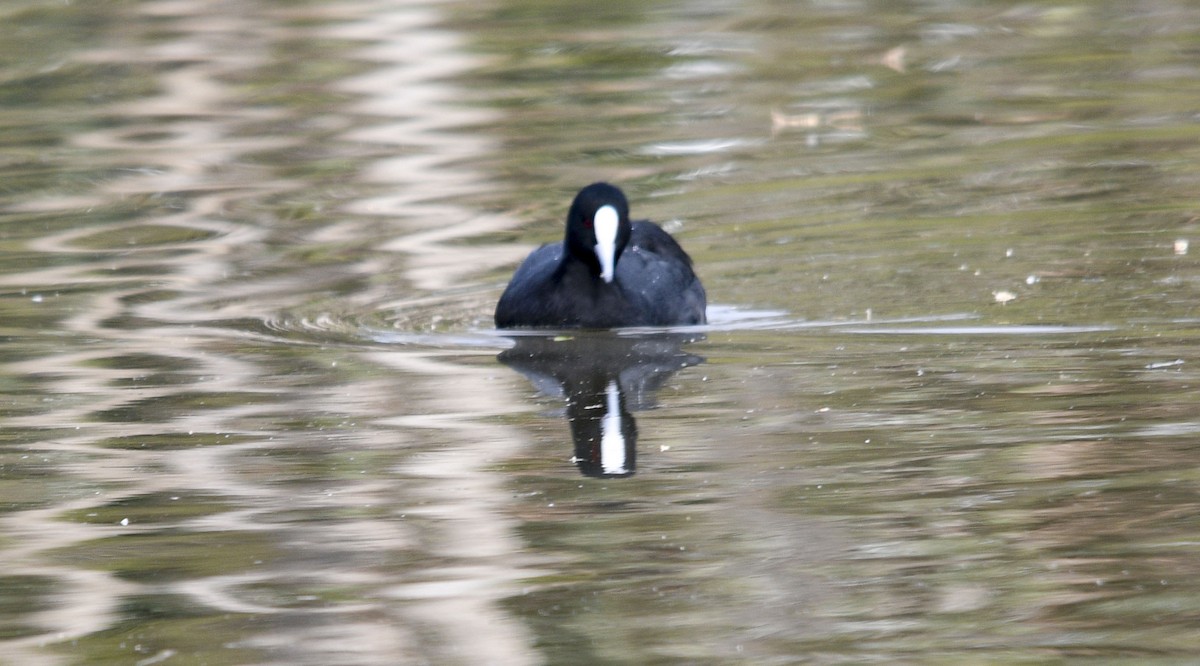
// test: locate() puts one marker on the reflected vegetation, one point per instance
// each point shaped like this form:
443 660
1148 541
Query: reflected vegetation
602 378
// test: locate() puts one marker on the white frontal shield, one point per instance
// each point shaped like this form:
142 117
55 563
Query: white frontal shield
606 224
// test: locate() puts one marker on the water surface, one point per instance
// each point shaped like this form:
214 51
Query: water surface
255 413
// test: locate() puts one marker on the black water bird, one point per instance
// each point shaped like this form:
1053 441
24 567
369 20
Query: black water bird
607 273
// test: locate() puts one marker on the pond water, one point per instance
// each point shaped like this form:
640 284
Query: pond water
946 409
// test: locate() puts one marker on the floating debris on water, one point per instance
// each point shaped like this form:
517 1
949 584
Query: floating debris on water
894 59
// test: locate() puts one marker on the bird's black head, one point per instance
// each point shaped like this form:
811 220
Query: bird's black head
598 228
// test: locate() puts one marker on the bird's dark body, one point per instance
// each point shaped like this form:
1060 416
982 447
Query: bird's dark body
559 285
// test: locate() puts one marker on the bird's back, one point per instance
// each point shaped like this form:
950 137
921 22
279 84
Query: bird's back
653 285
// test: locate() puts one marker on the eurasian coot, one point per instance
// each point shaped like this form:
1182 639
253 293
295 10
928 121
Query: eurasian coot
606 273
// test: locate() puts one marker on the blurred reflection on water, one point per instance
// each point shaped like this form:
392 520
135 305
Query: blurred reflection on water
602 378
237 488
253 413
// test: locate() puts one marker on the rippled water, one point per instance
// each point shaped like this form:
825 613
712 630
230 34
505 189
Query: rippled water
254 411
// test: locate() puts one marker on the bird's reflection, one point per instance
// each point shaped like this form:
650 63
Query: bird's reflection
603 378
